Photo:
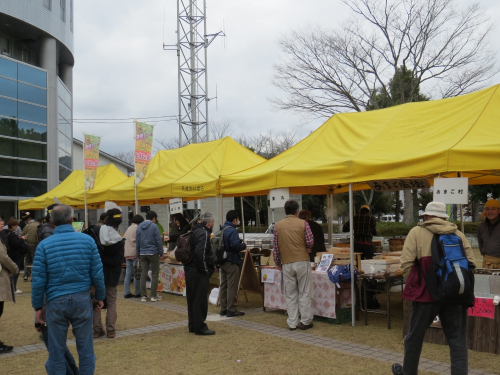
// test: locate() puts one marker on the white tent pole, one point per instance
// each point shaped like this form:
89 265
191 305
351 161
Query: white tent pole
242 218
329 218
351 235
462 211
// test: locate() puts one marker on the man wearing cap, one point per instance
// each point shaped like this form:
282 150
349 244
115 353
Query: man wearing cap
29 231
415 262
488 235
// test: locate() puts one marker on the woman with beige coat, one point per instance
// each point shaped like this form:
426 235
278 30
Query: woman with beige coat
131 259
8 269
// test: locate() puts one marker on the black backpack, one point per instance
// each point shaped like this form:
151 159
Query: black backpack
90 232
219 253
450 278
183 251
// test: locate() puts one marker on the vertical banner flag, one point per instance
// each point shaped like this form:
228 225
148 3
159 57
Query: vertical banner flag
91 159
143 146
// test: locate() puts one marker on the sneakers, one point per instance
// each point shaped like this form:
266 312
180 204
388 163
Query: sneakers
130 295
230 314
144 299
5 348
303 327
25 278
18 291
110 334
99 333
397 369
157 298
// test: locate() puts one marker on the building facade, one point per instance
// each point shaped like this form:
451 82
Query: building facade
36 98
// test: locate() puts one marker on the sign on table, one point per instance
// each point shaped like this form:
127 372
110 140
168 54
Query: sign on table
483 308
267 275
399 184
278 197
451 190
175 206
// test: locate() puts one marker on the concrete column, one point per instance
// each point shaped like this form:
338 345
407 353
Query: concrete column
48 61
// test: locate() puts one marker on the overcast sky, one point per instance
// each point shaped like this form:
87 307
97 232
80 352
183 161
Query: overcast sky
122 71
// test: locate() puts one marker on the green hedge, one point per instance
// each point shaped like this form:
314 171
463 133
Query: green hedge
402 229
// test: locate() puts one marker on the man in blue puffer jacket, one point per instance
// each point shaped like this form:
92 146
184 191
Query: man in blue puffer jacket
65 266
230 269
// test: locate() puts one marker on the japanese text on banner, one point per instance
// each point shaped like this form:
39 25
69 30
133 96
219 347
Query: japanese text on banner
91 159
143 147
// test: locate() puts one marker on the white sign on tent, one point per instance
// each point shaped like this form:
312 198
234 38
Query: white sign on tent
175 206
451 190
278 197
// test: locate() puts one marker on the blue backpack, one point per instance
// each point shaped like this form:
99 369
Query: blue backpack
340 273
450 279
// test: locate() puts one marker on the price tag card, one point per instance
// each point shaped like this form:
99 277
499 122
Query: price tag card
175 206
483 308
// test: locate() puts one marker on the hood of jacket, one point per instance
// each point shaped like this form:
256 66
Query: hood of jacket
439 226
109 236
145 225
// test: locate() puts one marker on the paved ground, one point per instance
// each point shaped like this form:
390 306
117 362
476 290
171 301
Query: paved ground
363 351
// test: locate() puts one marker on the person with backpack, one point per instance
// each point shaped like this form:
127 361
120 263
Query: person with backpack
149 249
198 271
230 267
431 287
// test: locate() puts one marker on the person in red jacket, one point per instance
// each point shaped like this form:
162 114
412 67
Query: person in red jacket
415 262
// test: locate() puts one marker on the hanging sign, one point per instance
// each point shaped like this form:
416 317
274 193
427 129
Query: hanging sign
143 147
451 190
399 184
175 206
483 308
278 197
91 146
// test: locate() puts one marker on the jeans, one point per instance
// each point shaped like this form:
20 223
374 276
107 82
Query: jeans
131 266
152 261
71 367
75 309
454 323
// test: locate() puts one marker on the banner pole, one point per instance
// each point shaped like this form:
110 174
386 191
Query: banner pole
242 218
85 188
351 234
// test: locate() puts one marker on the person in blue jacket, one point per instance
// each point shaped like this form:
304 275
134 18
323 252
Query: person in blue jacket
230 269
66 265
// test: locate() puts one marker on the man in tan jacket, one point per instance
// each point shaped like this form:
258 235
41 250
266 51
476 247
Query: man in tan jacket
293 241
416 260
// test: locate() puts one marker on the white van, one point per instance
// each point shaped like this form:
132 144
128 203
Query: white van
388 218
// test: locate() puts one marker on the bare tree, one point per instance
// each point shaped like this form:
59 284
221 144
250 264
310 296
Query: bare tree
126 156
269 144
447 52
219 129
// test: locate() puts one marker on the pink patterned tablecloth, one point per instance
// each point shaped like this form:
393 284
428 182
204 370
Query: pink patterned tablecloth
324 294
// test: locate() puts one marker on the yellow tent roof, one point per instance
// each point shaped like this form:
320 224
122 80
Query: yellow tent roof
107 176
412 140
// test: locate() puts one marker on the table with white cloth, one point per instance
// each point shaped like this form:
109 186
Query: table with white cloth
326 294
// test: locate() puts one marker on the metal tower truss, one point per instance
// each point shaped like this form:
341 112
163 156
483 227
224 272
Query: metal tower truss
192 39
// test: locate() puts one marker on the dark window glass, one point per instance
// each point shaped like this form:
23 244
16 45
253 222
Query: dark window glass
8 127
30 150
8 187
32 94
7 167
8 147
8 88
64 159
34 132
8 68
29 188
64 110
61 142
63 173
32 113
31 169
31 75
8 107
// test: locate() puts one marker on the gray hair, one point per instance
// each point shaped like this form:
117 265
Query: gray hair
61 214
207 217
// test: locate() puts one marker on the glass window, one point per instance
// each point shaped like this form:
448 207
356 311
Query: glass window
63 10
64 159
63 173
8 187
47 4
68 145
32 113
8 127
8 147
8 68
64 110
32 94
8 88
8 107
7 167
30 188
63 93
34 132
64 127
30 150
61 142
31 169
31 75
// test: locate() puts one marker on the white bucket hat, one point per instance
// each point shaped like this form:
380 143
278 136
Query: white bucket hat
436 209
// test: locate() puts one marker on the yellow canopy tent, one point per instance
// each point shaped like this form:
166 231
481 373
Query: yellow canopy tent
425 139
107 176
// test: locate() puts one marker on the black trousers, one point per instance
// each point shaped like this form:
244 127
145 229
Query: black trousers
197 299
454 323
1 308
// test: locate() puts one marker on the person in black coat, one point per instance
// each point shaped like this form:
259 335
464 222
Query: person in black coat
198 273
16 247
111 249
179 227
317 231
